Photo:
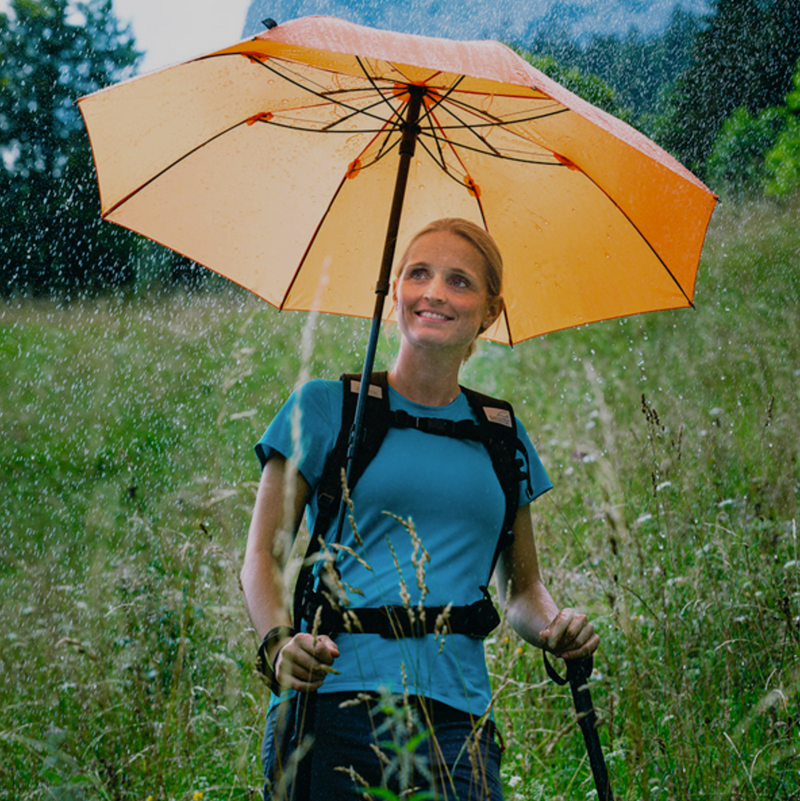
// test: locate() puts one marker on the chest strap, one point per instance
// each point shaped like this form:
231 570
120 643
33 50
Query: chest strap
395 622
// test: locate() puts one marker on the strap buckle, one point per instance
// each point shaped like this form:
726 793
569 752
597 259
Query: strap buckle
437 425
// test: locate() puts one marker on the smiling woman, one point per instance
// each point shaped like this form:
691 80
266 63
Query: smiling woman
396 605
465 260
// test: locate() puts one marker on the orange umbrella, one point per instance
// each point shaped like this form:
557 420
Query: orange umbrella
283 161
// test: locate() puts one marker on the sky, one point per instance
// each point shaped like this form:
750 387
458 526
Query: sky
174 30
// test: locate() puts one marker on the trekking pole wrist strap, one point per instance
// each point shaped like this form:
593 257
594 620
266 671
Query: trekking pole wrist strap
264 665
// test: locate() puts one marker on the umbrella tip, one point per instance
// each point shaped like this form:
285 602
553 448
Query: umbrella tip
269 23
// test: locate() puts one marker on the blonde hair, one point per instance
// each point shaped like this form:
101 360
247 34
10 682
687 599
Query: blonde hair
480 239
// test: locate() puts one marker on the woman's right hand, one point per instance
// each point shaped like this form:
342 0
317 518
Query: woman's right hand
304 661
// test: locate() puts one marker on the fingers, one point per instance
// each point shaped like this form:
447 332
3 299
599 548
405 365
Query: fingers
570 635
304 662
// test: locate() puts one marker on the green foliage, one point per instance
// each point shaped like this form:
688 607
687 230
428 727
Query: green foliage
744 56
783 161
635 66
736 166
127 662
51 238
755 153
590 87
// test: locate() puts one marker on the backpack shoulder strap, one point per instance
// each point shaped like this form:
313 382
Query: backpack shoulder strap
329 489
499 436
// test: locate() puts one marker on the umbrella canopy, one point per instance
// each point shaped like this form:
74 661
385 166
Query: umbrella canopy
273 162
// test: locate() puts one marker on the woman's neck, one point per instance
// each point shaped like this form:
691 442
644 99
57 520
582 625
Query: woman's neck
430 379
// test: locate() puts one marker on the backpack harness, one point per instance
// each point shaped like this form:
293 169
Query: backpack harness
496 430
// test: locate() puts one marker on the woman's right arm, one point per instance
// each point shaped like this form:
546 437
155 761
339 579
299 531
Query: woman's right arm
302 659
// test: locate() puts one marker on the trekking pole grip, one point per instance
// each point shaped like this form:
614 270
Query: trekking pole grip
578 673
578 670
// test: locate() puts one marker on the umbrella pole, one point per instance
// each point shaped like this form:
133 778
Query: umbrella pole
408 143
306 708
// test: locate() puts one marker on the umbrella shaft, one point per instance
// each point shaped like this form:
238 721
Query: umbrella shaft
407 146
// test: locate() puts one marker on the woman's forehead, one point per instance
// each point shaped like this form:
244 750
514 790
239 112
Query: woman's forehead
446 249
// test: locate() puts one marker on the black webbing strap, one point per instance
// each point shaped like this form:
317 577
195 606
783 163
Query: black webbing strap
329 490
501 442
395 622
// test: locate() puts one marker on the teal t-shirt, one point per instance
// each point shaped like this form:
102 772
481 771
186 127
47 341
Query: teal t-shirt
449 490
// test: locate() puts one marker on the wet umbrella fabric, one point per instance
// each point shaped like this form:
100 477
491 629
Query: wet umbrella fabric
273 162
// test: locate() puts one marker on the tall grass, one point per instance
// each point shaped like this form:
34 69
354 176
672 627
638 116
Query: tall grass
672 439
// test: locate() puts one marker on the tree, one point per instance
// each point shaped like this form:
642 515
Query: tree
590 87
743 56
637 67
736 165
51 235
782 163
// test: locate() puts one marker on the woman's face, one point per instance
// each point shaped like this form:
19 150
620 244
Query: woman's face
441 296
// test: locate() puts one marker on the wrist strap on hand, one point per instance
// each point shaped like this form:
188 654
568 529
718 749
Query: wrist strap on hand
263 664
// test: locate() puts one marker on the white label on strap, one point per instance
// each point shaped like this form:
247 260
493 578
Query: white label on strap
501 416
374 390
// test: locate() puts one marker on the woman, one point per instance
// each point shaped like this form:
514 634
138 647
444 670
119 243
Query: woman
447 290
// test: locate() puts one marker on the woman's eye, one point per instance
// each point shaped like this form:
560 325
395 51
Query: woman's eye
460 281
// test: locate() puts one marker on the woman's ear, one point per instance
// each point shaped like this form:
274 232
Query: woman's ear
494 310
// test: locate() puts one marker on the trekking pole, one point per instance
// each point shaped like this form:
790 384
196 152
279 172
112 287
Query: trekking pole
578 672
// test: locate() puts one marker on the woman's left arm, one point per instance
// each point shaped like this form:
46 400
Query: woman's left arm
530 608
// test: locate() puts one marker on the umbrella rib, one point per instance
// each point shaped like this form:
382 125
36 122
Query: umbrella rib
644 238
474 133
507 126
396 114
497 154
452 149
452 177
356 90
445 96
166 169
294 127
315 93
288 66
508 324
310 245
441 164
374 85
254 60
383 153
497 122
358 112
493 122
441 160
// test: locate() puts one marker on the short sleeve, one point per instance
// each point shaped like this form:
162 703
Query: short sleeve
305 429
536 481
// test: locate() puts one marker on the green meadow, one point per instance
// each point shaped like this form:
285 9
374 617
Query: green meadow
127 477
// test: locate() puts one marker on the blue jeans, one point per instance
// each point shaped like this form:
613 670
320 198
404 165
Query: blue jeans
379 743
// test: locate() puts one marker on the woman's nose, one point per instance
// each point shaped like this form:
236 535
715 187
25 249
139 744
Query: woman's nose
435 290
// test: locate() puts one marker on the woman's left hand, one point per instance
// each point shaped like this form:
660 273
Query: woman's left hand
570 635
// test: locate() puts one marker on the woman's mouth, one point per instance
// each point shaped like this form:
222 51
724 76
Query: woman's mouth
432 315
